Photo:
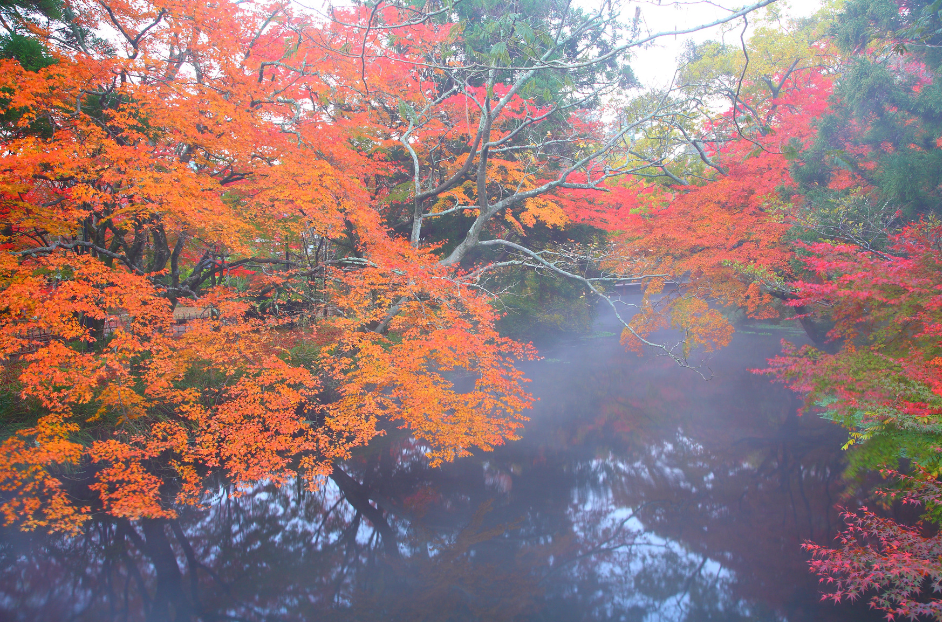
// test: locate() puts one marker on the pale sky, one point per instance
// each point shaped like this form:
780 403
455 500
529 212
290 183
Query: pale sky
655 65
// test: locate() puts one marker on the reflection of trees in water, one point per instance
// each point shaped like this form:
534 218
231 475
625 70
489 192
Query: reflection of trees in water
725 467
630 498
270 554
281 554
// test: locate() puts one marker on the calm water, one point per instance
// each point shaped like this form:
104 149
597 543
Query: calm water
637 492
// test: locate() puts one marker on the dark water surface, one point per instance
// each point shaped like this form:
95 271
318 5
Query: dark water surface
637 492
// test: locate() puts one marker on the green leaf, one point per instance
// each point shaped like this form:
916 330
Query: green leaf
407 112
499 51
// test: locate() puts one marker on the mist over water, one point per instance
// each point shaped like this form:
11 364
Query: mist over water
637 491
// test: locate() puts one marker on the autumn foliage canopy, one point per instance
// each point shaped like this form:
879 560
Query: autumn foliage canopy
209 164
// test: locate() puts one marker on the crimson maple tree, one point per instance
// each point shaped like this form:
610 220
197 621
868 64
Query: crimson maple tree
726 238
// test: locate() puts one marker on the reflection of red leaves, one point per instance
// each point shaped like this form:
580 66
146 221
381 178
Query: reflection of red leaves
422 500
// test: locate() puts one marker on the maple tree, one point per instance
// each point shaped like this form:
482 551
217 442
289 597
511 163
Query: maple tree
161 177
715 211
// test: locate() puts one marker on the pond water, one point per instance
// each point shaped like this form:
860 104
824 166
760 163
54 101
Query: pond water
637 491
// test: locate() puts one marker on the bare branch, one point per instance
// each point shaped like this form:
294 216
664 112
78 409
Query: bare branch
665 350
